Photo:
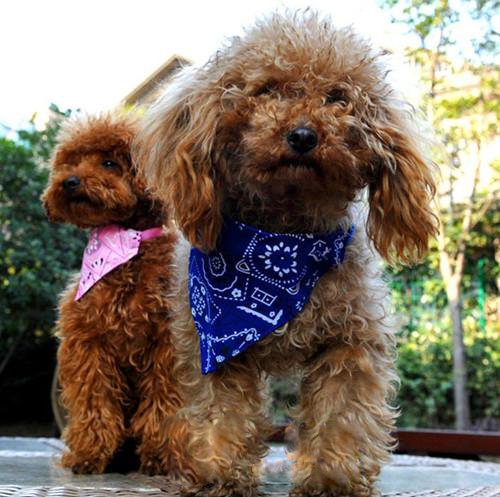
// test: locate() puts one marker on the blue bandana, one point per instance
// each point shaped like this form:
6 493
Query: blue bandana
253 283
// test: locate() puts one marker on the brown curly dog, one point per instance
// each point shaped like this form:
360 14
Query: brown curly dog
284 130
115 354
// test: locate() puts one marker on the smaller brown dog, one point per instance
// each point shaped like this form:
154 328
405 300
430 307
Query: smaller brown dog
115 354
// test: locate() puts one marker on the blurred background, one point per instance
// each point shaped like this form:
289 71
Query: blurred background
59 57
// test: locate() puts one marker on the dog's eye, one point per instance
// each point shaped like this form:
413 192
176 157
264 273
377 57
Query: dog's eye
335 96
109 164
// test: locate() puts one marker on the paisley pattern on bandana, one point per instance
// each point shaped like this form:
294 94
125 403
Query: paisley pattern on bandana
109 247
253 283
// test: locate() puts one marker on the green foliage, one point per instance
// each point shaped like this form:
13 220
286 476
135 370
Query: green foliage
425 336
283 392
425 356
460 76
425 368
36 256
424 16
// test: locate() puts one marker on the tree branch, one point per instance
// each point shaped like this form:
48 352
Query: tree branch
444 257
483 210
467 221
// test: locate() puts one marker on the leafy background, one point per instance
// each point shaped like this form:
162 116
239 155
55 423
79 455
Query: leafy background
36 258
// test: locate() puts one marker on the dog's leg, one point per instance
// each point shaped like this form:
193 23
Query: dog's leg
344 420
227 427
159 400
93 390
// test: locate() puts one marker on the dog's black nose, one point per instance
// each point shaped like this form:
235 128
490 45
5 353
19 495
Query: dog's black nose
302 139
71 184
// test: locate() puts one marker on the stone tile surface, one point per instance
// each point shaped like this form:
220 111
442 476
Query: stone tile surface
30 462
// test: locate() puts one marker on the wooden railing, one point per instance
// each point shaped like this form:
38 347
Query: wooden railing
435 442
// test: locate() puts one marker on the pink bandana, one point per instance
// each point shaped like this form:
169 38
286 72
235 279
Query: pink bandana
109 247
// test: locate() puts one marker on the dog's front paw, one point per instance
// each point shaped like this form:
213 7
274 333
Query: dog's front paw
309 492
220 489
354 491
81 465
86 468
152 466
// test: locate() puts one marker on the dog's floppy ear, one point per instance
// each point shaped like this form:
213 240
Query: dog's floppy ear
400 220
174 154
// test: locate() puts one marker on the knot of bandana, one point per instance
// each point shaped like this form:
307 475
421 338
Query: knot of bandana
109 247
253 283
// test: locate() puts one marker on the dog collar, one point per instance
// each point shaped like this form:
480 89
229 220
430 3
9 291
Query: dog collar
109 247
253 283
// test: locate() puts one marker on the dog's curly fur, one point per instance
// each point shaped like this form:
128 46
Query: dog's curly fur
115 354
216 144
